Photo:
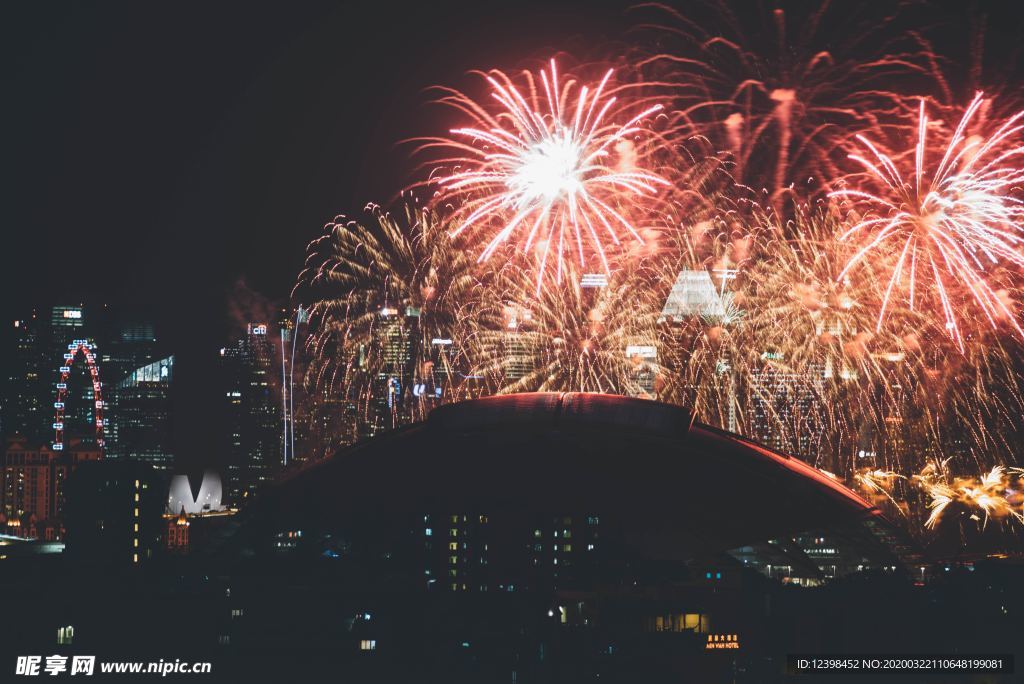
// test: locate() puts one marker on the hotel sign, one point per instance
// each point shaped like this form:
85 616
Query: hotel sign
722 642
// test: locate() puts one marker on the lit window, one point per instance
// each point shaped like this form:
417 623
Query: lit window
453 546
429 532
65 635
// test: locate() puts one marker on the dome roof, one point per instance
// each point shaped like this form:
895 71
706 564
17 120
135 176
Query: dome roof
690 487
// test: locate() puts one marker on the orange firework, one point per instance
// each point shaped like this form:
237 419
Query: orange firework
951 225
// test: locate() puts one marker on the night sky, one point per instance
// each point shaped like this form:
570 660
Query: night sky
174 159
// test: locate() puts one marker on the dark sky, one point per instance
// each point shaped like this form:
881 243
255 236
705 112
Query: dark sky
156 154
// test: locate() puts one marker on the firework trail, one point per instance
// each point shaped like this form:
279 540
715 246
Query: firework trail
810 372
383 299
998 494
876 483
567 338
820 335
949 225
557 168
776 91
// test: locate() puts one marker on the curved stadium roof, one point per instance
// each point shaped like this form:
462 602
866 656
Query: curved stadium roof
686 485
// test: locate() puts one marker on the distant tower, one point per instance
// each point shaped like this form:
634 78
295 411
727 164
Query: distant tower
27 397
140 426
252 417
784 407
395 334
694 296
289 330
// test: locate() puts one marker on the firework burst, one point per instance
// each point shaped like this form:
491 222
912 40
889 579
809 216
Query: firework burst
384 298
950 225
567 338
557 169
780 91
998 494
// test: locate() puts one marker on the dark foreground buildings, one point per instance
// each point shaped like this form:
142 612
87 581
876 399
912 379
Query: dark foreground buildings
529 538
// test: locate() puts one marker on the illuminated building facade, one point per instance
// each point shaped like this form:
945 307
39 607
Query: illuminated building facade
694 298
27 399
176 534
784 409
693 294
32 485
140 409
252 413
644 359
395 334
519 356
129 345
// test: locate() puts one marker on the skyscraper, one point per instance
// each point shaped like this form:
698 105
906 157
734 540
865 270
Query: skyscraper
25 402
392 387
693 295
784 409
252 417
128 346
140 423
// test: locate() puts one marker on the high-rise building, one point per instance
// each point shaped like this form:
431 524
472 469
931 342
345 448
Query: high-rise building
784 409
26 400
252 420
394 337
114 512
140 417
692 295
644 359
131 345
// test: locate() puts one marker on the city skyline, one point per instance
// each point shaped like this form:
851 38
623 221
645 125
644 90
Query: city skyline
517 342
